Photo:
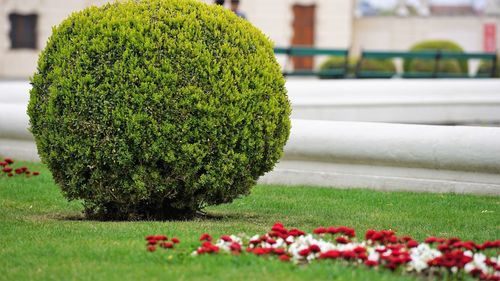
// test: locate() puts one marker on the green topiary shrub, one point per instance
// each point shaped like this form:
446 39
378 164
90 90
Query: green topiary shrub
385 66
485 69
156 108
428 65
336 63
445 66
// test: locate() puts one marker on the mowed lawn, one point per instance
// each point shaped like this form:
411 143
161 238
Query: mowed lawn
43 237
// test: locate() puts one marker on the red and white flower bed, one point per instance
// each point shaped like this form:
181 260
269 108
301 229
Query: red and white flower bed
379 249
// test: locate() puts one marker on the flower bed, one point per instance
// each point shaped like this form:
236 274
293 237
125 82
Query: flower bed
435 257
8 170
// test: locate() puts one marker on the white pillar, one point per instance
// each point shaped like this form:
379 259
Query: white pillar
402 9
424 9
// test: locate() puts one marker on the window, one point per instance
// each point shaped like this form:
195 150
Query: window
23 31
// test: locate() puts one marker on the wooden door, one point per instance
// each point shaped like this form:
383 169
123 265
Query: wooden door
303 33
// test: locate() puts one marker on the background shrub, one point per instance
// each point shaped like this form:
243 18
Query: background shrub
428 65
485 68
155 109
385 66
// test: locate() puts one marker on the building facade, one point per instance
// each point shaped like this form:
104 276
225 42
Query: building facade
25 26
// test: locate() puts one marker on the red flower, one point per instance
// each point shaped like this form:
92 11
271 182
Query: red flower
255 241
443 247
167 245
371 263
412 244
314 248
209 247
284 258
377 236
36 173
18 171
348 254
359 250
205 237
476 272
347 231
304 252
271 241
332 230
261 251
405 238
7 169
161 237
342 240
206 244
296 232
392 239
226 238
283 235
332 254
391 266
369 234
9 160
235 247
320 230
491 244
388 233
152 242
3 163
279 251
277 227
362 256
176 240
151 248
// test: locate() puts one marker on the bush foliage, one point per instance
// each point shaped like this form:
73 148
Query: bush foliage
428 65
155 109
485 68
386 66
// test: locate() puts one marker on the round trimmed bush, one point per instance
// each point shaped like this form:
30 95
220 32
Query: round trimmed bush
334 63
485 68
428 65
385 66
155 109
445 66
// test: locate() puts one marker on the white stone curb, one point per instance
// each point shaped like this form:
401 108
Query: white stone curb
390 157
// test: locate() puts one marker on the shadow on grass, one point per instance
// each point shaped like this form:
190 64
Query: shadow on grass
200 216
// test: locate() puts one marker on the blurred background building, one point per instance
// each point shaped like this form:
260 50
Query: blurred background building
388 25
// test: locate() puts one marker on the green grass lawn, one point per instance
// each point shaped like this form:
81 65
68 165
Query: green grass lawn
43 237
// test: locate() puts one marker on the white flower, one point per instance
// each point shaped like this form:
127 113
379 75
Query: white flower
478 261
373 255
420 256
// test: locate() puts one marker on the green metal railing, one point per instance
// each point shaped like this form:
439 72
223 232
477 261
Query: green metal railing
341 72
311 52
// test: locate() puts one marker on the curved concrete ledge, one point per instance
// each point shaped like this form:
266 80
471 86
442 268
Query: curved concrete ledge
474 149
397 101
390 157
14 122
14 92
